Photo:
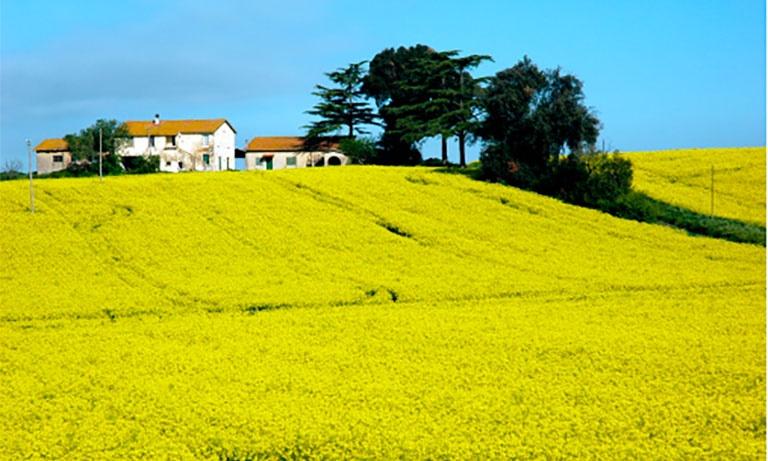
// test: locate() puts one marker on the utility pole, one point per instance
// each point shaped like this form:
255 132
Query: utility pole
712 192
31 188
101 154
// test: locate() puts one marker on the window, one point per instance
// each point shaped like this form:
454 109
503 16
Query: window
151 141
170 141
207 159
58 158
181 165
206 139
168 164
290 161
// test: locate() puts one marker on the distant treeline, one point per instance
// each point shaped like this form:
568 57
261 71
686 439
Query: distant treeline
535 130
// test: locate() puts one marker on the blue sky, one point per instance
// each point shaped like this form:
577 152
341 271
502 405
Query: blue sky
664 74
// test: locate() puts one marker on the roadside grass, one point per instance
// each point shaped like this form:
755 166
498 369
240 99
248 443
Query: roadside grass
639 206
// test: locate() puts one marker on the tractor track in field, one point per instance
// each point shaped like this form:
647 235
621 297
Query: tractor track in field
545 296
123 270
389 225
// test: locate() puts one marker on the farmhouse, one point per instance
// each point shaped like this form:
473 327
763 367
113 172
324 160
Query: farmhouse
182 145
277 152
52 155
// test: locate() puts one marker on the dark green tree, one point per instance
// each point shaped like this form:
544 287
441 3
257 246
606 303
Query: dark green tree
531 117
85 144
454 100
360 151
421 97
395 80
423 93
342 106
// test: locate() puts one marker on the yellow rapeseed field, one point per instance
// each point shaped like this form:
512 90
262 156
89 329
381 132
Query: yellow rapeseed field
684 177
367 312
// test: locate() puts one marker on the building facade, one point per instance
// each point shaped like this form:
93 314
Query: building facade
182 145
279 152
52 155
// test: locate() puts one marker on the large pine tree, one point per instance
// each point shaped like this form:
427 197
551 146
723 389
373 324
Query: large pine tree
342 106
464 97
395 80
448 101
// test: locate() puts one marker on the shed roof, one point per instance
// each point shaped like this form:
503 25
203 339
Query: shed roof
52 145
287 144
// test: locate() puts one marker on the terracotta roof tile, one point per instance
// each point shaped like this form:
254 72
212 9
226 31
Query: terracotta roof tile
173 127
286 144
52 145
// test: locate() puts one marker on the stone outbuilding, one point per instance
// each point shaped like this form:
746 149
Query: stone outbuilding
278 152
52 155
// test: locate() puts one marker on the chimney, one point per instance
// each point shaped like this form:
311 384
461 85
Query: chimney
157 119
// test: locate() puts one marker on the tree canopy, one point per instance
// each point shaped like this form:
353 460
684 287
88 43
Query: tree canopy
394 81
342 106
531 116
525 116
421 93
446 103
85 146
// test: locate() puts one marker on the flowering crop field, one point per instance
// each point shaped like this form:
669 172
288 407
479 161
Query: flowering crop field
684 177
367 312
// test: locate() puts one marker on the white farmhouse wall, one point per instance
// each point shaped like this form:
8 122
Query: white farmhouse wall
224 148
135 147
257 160
189 150
253 160
45 163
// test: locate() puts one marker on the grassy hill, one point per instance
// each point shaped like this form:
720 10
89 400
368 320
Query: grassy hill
367 312
683 177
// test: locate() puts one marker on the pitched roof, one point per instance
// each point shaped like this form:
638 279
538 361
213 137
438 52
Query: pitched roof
174 127
287 144
52 145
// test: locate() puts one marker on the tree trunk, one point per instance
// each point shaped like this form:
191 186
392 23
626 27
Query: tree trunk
444 146
351 131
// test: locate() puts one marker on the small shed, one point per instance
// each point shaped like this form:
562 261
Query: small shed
52 155
279 152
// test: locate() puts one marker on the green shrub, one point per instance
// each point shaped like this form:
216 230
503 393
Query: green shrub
432 161
640 207
609 178
142 164
77 168
595 180
395 151
361 151
567 180
11 174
